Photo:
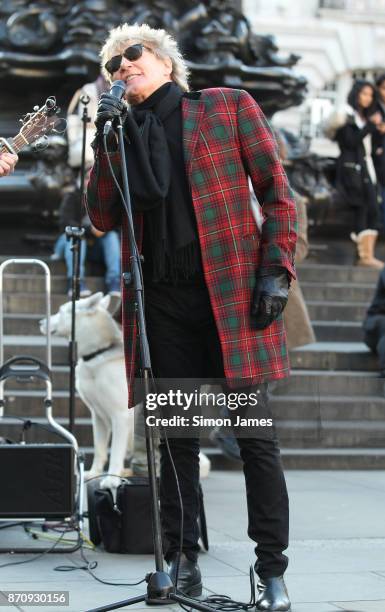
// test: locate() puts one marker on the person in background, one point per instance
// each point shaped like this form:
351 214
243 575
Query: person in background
379 143
353 128
104 248
374 323
299 330
97 246
93 92
8 162
69 215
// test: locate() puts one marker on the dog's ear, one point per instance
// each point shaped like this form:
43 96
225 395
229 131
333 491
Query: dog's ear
105 301
94 299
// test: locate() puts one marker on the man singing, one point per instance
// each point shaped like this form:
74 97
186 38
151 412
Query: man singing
7 163
215 286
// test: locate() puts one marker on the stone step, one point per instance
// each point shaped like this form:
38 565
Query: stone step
310 365
33 283
11 429
333 458
338 434
334 356
312 459
35 346
320 408
313 407
21 324
336 311
336 383
325 331
325 273
28 403
31 303
59 377
341 331
298 434
57 268
338 292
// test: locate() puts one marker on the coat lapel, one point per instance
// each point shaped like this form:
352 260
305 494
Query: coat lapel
192 113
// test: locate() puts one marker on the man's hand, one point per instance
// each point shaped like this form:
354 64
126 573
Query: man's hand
269 298
109 108
8 162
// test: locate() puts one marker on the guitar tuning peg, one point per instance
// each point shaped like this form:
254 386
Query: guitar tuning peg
36 108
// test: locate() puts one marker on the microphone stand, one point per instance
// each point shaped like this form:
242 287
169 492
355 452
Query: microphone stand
76 234
160 589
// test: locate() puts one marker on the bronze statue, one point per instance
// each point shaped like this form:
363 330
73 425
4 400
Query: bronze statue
52 47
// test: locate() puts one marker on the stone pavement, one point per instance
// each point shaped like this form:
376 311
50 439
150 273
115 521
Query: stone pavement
337 549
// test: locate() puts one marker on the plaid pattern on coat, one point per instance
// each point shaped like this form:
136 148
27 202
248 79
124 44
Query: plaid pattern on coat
226 138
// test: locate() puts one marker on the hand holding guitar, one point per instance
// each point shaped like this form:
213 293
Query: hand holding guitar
7 163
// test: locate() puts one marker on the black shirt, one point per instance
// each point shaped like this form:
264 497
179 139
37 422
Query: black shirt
173 125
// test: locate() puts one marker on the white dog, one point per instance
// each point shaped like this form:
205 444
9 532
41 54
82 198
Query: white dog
101 382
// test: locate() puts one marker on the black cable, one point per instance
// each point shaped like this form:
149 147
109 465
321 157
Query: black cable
35 557
224 603
88 567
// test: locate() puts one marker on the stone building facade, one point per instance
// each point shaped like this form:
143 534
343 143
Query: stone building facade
337 40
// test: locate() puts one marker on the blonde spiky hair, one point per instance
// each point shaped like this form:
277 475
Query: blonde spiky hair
162 43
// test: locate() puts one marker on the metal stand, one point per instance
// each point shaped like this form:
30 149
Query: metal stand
160 589
76 234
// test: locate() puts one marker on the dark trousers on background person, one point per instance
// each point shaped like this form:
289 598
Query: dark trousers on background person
367 216
184 343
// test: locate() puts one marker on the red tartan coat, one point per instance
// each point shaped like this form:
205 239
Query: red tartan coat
226 138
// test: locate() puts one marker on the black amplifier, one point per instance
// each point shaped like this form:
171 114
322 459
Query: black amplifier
37 481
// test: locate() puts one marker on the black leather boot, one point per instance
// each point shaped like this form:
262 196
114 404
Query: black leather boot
273 595
189 575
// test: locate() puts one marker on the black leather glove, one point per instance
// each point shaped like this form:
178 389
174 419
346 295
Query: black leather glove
109 108
269 298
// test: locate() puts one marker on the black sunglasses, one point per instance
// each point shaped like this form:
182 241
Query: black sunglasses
131 53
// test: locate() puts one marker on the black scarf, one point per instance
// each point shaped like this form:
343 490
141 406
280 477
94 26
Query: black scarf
157 188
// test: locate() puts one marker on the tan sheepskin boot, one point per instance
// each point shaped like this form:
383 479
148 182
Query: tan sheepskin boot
365 242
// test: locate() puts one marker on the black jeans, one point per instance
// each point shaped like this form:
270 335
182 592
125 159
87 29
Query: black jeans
184 343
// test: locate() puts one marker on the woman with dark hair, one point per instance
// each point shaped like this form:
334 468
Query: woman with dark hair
353 128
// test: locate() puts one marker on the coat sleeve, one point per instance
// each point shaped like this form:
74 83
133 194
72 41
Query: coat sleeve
350 136
102 197
271 186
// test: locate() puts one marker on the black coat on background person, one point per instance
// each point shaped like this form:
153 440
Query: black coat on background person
379 149
353 180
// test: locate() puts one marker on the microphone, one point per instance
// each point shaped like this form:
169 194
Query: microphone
117 90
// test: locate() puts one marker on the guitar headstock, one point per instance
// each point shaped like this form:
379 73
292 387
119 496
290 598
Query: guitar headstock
41 122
